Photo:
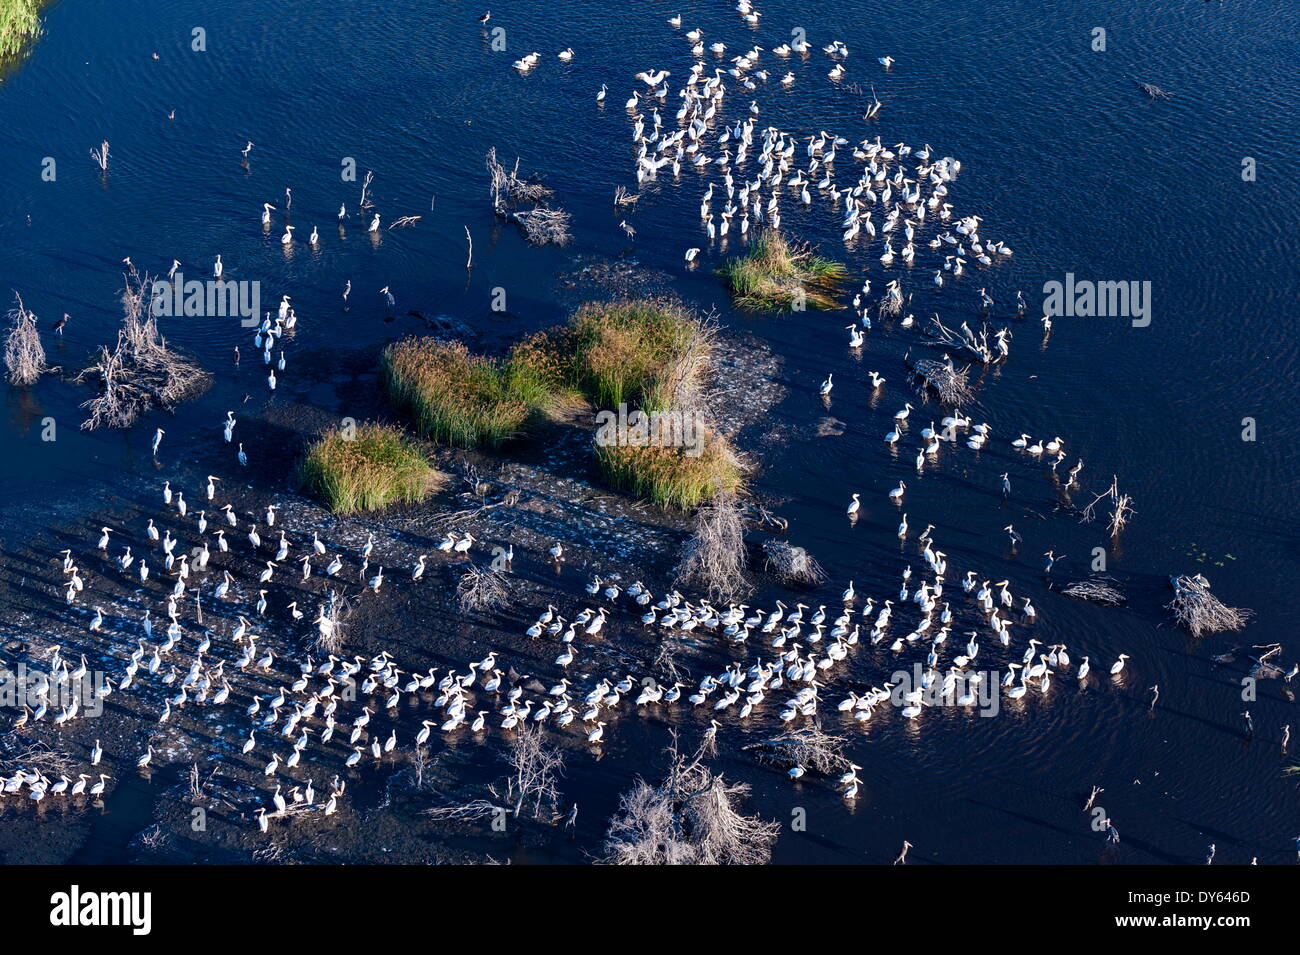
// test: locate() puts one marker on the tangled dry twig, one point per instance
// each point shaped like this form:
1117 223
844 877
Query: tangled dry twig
1195 608
951 386
965 340
794 566
482 589
715 557
688 819
809 747
541 223
141 372
537 769
24 353
1098 590
1121 508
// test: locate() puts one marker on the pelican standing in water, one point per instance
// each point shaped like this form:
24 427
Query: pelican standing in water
287 238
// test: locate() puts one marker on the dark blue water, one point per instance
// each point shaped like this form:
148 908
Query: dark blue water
1062 156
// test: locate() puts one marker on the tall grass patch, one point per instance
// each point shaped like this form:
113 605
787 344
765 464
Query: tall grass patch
467 400
378 465
669 476
19 24
644 352
775 276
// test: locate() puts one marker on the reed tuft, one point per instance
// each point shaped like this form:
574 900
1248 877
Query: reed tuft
375 467
777 276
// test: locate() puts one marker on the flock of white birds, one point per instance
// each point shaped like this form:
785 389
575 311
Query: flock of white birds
302 717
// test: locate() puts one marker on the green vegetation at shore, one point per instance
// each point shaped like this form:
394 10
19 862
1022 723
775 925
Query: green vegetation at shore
371 468
671 477
650 355
646 352
775 276
19 24
468 400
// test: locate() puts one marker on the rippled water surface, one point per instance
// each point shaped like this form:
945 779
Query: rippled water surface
1061 155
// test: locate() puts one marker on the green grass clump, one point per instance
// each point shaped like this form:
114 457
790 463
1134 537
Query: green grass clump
468 400
377 466
773 276
644 352
19 24
669 476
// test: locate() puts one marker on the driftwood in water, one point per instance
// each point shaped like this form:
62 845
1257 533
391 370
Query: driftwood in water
1096 589
1195 608
1121 508
536 769
965 340
541 225
715 557
793 565
809 748
691 818
100 156
1153 91
511 193
141 372
24 353
943 379
482 589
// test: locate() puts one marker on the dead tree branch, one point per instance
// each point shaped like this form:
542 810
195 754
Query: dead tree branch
24 353
141 372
